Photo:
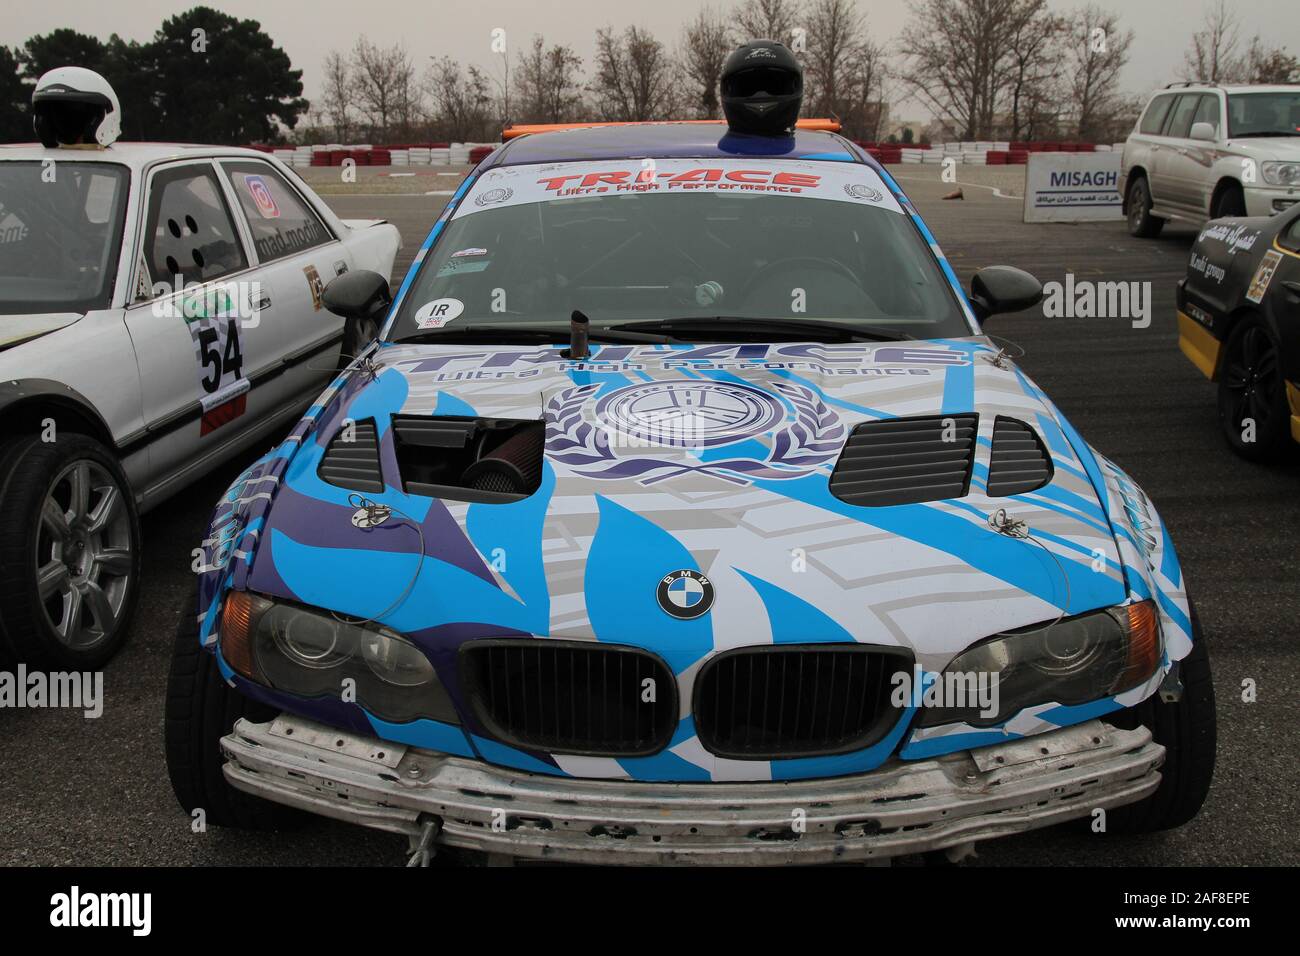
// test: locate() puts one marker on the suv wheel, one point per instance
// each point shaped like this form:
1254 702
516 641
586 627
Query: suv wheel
69 553
1140 221
1230 203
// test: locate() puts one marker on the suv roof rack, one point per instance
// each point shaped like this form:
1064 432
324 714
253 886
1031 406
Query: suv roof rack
1185 83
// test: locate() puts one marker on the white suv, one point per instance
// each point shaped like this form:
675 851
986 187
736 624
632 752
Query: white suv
1203 151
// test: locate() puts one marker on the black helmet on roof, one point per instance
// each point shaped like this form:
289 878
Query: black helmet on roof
762 87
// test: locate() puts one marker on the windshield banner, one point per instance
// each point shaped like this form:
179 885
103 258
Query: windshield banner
517 185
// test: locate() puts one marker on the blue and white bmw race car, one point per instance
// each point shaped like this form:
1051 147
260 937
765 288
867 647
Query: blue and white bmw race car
682 512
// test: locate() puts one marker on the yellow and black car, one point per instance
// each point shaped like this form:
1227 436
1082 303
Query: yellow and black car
1239 323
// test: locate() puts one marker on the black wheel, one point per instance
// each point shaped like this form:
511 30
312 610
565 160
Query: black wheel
1186 729
1140 221
1231 202
202 708
69 552
1252 404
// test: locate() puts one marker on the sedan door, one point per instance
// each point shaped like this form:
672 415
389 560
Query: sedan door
297 254
195 322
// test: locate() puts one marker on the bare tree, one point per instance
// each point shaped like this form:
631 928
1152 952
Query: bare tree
767 20
1034 68
867 88
633 80
548 89
958 59
706 41
462 101
385 84
338 94
833 39
1094 56
1213 53
1270 64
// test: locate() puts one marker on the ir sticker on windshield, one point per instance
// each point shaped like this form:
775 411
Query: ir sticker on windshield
436 314
1263 275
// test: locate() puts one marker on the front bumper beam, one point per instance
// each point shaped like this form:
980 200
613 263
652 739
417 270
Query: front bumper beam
903 807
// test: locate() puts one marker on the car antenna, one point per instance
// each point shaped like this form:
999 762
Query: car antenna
579 328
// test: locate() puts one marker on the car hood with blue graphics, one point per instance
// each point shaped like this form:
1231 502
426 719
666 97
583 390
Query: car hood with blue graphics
748 504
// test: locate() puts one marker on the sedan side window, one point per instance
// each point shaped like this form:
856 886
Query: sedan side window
281 222
190 232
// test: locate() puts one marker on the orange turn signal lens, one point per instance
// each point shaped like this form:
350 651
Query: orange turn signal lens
1143 645
236 637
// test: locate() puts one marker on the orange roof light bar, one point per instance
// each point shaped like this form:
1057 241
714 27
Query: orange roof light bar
820 125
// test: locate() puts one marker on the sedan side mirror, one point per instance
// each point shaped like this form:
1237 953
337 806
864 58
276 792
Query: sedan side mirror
357 294
1203 131
997 289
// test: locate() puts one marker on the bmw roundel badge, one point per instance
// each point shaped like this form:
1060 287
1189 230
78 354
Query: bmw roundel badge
685 594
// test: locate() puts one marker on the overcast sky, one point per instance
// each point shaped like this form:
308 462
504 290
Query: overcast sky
307 30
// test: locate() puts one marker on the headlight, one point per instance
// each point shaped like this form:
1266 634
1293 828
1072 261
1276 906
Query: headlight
1281 174
311 654
1075 661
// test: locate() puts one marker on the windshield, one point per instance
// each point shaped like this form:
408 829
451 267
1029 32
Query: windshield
643 241
60 232
1266 114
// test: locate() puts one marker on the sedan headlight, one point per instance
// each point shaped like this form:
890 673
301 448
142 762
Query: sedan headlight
1281 174
311 653
1074 661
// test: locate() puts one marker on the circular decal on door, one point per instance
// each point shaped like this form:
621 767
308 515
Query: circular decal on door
685 594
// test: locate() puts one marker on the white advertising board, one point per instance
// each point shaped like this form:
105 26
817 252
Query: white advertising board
1072 187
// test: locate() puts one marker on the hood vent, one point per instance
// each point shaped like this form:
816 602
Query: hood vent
902 461
352 459
469 459
1020 463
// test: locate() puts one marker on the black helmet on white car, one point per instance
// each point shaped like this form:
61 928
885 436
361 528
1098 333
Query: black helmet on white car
762 88
73 106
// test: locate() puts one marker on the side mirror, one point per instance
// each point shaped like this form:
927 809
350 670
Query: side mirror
1203 131
997 289
358 294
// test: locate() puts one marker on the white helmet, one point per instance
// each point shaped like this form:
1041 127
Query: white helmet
73 105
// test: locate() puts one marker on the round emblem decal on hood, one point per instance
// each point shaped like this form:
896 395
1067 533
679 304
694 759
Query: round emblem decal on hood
685 594
690 414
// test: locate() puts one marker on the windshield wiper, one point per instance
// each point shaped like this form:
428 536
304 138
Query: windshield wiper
810 328
504 332
1265 132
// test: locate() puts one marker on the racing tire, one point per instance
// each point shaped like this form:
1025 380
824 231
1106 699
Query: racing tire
1251 387
1141 223
1186 729
1230 203
69 553
200 709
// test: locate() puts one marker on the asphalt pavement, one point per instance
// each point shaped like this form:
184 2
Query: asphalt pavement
95 792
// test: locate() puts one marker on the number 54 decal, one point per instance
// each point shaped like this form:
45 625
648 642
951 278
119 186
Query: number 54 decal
220 357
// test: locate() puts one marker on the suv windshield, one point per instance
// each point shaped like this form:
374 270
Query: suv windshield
634 242
60 232
1264 114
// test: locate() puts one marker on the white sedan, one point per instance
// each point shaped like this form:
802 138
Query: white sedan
160 312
